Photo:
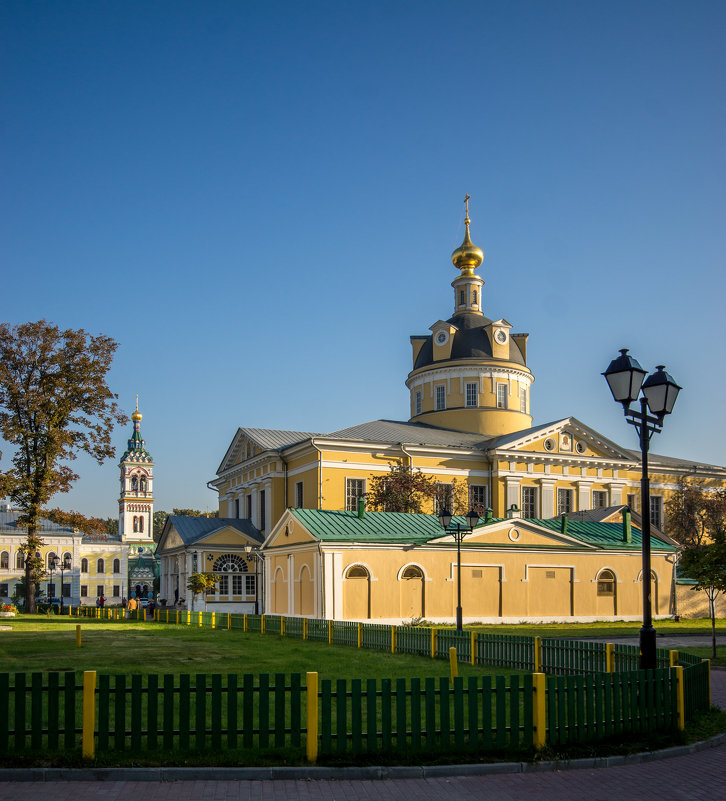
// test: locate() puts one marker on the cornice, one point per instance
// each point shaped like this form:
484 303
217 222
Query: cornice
462 369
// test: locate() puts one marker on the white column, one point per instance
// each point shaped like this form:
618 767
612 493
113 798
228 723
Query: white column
547 497
615 493
583 495
291 584
512 490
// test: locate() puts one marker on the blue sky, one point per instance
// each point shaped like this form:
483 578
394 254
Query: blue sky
259 201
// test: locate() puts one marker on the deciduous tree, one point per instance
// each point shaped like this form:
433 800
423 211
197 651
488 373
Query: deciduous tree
706 565
404 489
54 404
201 584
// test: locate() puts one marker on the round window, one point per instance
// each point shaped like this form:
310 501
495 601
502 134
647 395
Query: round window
549 444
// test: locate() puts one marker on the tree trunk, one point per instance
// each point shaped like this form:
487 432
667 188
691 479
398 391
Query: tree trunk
712 605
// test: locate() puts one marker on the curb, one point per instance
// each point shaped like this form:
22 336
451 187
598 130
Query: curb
371 773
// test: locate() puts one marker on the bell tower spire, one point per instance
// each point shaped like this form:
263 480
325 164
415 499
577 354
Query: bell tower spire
136 502
467 257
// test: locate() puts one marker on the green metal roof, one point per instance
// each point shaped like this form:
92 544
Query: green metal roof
603 535
382 527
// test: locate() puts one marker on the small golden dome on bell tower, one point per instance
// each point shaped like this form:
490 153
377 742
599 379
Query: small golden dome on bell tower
136 415
467 257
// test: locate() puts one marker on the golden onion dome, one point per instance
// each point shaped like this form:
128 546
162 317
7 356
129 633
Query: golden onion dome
467 257
136 416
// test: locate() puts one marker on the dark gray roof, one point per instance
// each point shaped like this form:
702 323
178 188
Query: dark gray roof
8 525
671 461
395 431
470 341
273 439
191 529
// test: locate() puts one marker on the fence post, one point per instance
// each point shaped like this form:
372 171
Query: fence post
200 619
282 625
680 700
453 663
393 639
673 658
360 635
262 624
214 622
539 710
609 657
78 635
330 632
433 643
305 628
189 617
311 685
709 682
89 713
473 648
537 654
229 621
244 623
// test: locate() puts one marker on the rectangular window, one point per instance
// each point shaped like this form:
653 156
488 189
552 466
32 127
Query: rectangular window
599 499
51 590
444 497
251 585
236 507
440 398
523 400
299 495
656 511
606 588
262 510
478 498
116 590
474 298
237 584
4 590
472 396
223 585
462 298
99 590
248 502
354 490
84 591
501 396
419 402
564 501
529 502
633 503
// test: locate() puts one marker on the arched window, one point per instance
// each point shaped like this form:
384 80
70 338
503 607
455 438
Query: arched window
116 565
51 560
19 560
100 566
606 583
84 565
134 483
141 523
142 483
357 572
4 560
229 563
136 524
67 560
412 572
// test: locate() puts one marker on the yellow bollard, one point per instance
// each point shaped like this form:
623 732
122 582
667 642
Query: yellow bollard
89 713
393 640
189 617
453 663
214 626
609 657
229 621
537 654
330 632
200 619
680 701
673 658
305 628
433 643
539 710
311 684
177 616
78 635
244 623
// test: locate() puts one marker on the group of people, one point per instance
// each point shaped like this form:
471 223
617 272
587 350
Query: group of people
130 606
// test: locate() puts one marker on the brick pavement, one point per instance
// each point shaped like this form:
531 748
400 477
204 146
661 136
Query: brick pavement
696 777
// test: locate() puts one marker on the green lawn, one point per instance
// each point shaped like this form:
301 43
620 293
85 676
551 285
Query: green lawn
38 643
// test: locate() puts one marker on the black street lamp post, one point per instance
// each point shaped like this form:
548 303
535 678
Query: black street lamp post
458 532
659 392
52 564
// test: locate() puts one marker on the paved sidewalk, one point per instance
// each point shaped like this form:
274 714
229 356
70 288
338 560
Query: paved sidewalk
696 777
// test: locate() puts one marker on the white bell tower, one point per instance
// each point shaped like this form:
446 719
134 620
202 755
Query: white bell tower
136 502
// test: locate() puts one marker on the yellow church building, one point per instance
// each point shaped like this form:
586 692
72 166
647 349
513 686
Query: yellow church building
470 421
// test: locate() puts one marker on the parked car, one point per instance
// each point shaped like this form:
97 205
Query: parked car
143 602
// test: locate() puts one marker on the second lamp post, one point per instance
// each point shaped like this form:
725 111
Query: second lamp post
458 531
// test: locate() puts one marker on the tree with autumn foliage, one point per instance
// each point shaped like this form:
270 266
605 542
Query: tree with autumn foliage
404 489
54 404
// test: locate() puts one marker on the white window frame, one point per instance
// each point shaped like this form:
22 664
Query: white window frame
351 498
563 493
471 395
532 491
299 494
502 392
656 511
440 393
601 494
418 402
523 400
478 489
449 496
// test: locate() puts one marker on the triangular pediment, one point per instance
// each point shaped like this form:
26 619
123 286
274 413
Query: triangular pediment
226 536
567 437
288 531
519 533
238 451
